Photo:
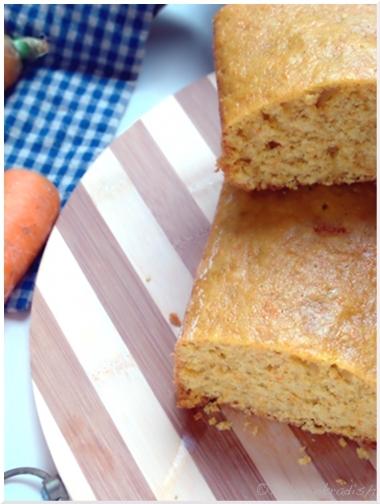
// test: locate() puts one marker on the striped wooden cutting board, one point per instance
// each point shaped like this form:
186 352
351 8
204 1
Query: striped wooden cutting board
120 260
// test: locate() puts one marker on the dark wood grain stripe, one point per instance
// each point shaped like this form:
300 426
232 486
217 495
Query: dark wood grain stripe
335 463
200 102
164 193
105 460
220 457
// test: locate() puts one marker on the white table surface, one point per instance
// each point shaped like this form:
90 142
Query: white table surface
178 51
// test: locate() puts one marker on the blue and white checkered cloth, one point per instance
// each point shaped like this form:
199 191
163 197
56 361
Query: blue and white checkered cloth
67 106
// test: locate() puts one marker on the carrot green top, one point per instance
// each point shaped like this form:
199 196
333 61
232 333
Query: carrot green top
30 48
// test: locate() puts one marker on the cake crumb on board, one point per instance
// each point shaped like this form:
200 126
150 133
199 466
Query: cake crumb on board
362 453
212 421
252 429
198 416
341 481
175 320
342 442
211 407
225 425
304 460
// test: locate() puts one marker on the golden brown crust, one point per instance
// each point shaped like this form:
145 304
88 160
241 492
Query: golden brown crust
265 54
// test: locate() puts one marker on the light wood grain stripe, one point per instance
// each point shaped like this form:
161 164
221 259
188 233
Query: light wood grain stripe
151 342
336 463
200 103
165 194
108 466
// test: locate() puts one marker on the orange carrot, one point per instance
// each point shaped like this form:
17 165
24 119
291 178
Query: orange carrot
16 52
31 206
12 63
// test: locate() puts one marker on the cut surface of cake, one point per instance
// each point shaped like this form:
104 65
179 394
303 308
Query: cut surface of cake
282 317
297 94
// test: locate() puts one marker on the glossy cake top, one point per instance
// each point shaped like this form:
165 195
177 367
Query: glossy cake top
292 271
268 53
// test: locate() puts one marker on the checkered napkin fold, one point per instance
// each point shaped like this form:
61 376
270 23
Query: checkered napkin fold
67 106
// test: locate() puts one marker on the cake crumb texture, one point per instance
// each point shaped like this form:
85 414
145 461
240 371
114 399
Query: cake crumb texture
297 94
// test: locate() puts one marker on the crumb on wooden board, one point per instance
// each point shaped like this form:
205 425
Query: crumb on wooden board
254 429
342 442
304 460
251 428
224 425
175 320
341 481
362 453
211 407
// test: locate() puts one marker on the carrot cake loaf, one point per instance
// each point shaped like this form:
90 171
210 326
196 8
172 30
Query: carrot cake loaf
282 318
297 94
